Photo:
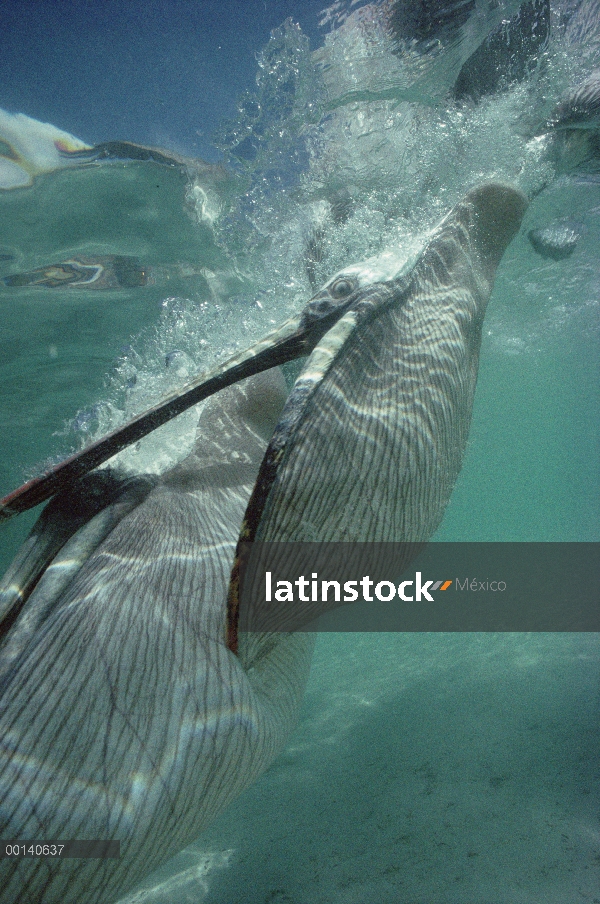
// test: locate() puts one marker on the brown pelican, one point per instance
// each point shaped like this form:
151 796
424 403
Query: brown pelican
124 711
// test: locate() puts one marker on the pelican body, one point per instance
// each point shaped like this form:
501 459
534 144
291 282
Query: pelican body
131 708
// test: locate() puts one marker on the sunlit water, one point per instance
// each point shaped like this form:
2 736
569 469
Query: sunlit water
425 768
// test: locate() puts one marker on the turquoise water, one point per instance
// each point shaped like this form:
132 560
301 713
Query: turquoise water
425 767
443 768
532 463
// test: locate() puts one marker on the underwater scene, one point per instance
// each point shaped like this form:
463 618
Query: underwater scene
387 171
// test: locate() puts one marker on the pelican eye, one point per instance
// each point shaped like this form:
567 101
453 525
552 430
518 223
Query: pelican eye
342 287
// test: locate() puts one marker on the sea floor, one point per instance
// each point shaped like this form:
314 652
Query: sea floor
443 769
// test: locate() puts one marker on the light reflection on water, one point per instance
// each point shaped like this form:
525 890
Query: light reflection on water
496 707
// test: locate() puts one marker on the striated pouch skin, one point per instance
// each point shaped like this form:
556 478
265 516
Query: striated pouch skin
372 436
124 712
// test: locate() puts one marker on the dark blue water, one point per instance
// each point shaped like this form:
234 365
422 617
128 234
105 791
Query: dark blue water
161 72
